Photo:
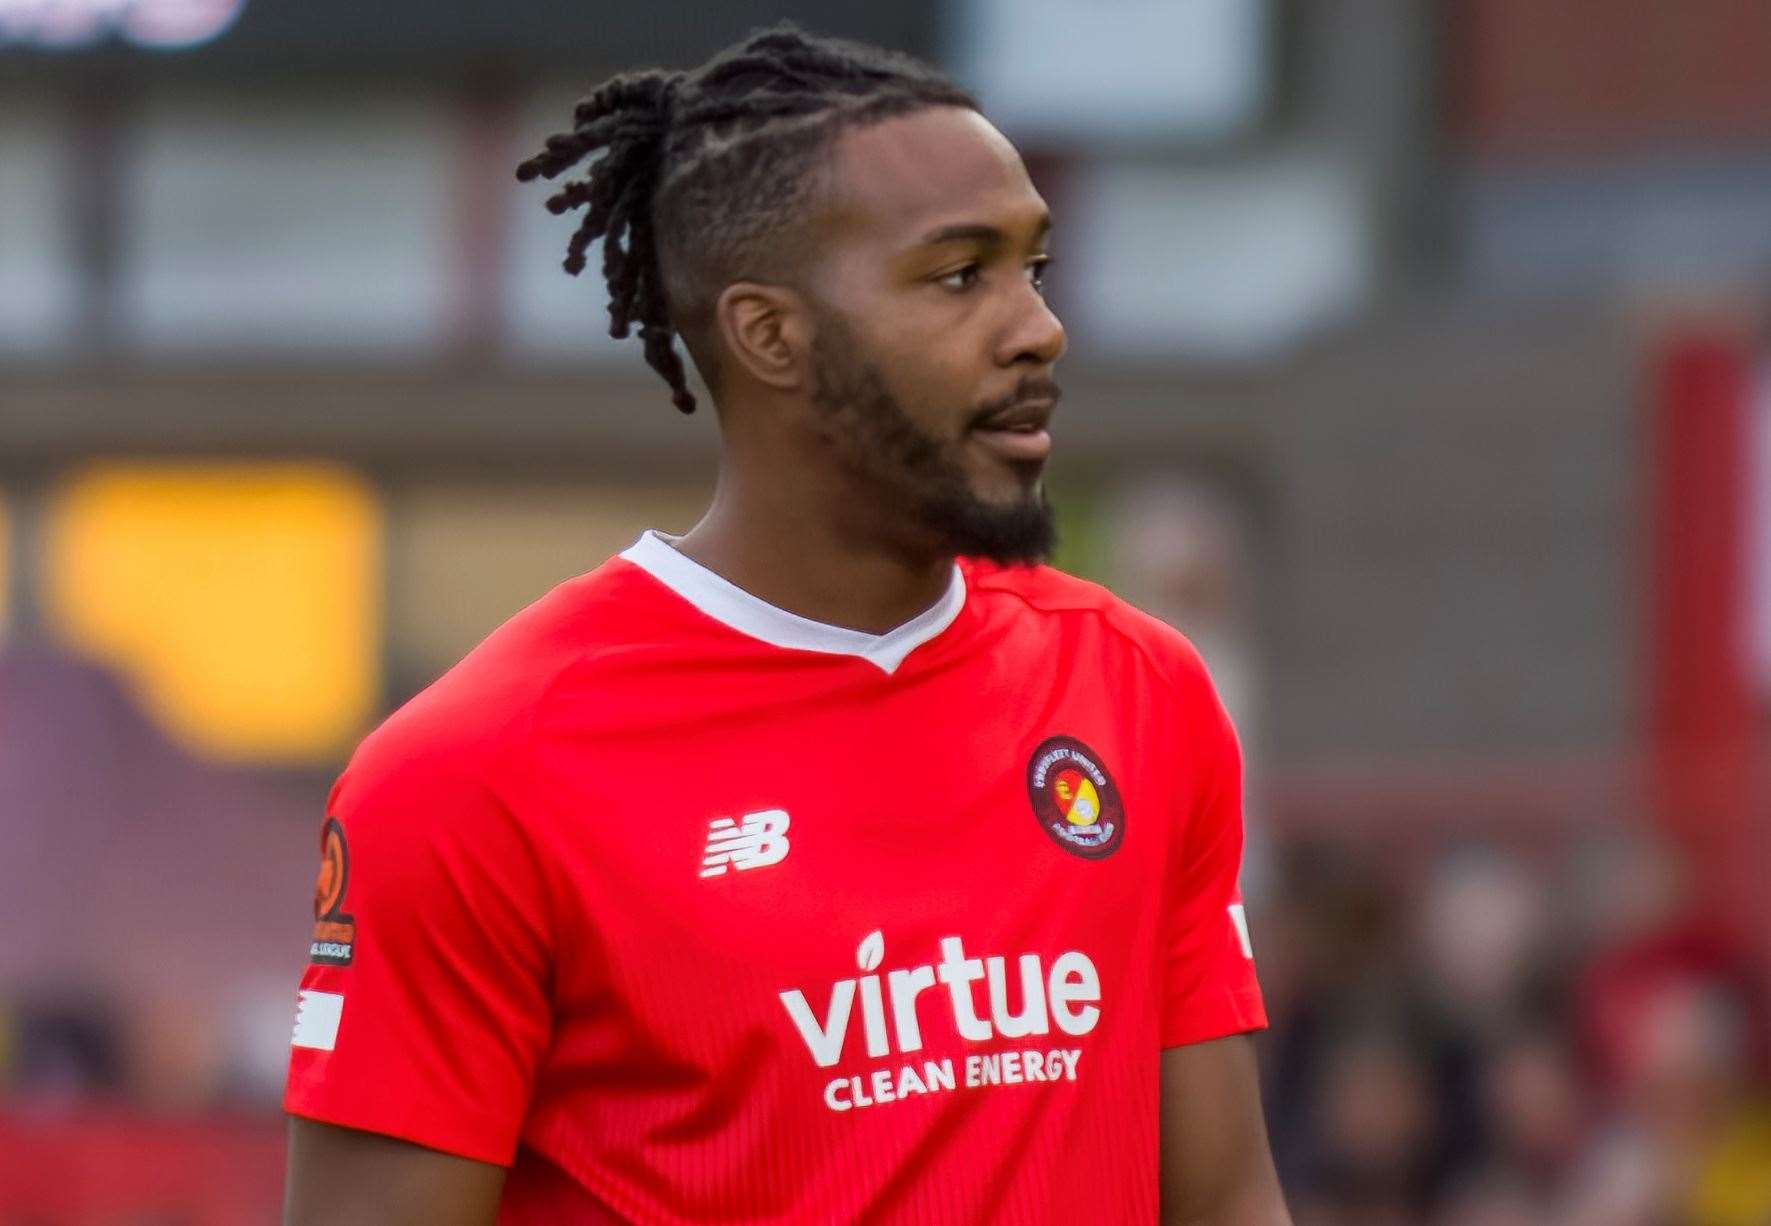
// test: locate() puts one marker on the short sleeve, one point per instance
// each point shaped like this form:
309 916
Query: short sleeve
1209 985
424 1009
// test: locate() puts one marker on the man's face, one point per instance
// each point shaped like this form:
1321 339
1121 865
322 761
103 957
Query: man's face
934 348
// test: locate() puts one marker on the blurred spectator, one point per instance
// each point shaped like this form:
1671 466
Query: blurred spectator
1426 1069
1495 1198
1378 1125
1690 1137
1538 1108
1480 938
65 1051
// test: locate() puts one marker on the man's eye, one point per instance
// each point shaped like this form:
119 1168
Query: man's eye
960 278
1036 272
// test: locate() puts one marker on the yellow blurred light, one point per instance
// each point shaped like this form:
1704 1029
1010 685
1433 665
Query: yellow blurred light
242 598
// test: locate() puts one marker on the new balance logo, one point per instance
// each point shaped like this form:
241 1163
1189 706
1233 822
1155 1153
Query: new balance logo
759 842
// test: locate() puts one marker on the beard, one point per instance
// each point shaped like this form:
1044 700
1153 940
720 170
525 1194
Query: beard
914 472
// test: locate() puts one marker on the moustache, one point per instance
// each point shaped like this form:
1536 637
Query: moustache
1036 389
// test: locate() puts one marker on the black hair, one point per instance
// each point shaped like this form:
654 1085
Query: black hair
705 176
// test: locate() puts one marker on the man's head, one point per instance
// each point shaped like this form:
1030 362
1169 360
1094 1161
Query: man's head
852 255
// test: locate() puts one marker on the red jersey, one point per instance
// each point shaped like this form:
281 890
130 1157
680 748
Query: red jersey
689 909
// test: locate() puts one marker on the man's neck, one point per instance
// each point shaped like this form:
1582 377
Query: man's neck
788 550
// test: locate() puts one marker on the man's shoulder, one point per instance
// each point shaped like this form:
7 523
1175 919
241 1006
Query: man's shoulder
464 722
1049 592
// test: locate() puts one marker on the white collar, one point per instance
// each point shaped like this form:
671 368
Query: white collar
726 602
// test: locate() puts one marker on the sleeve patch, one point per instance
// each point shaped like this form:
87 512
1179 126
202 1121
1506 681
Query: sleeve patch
316 1019
1239 920
335 931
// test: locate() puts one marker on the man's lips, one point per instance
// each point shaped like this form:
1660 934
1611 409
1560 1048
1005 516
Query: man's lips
1027 415
1018 432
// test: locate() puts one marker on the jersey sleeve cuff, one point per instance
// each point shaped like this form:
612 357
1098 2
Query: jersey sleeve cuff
1214 1015
430 1125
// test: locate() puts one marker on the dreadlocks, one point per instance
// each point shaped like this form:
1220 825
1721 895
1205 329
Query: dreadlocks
705 177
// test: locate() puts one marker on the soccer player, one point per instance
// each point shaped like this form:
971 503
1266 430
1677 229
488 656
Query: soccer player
835 861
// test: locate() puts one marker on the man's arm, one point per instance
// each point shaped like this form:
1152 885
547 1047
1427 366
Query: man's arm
344 1177
1217 1169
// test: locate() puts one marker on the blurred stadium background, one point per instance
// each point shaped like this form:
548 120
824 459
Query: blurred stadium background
1419 372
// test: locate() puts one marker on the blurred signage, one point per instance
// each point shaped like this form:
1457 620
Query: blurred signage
241 598
163 25
1234 263
580 40
1139 70
1578 77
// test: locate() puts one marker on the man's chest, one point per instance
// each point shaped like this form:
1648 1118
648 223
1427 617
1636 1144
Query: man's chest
806 845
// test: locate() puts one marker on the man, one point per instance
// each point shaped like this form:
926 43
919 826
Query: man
830 862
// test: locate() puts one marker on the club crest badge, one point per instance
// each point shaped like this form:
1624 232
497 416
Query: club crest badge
1075 799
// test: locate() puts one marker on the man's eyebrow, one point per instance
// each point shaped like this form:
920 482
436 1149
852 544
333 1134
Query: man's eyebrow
980 232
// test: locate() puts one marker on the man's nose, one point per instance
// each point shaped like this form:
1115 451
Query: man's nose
1038 335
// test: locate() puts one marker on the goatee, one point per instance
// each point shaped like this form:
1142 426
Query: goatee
879 442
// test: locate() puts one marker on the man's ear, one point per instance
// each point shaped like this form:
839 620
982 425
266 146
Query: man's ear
767 331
